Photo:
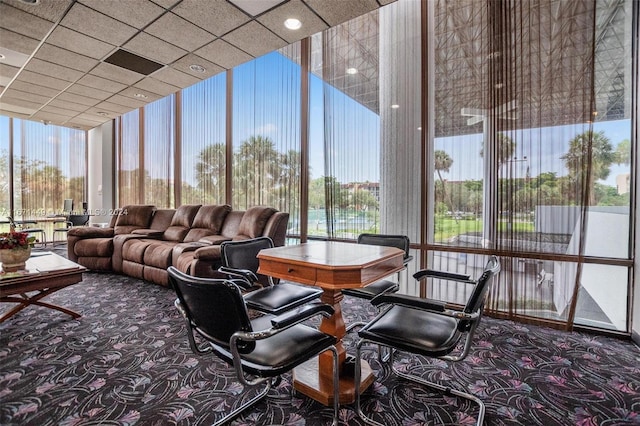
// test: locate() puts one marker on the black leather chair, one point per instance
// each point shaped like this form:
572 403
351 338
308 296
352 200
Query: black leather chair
382 286
239 260
427 327
71 221
259 349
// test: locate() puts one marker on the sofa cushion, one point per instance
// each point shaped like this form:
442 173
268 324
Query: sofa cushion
254 221
208 221
94 247
133 217
133 249
158 254
181 222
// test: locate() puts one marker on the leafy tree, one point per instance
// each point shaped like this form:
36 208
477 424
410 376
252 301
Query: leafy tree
623 152
210 173
506 148
443 163
255 172
589 159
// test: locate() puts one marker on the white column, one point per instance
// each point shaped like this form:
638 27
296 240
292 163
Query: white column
101 166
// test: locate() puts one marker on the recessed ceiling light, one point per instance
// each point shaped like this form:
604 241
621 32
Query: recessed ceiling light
197 68
140 95
102 113
293 24
2 56
352 71
420 128
395 106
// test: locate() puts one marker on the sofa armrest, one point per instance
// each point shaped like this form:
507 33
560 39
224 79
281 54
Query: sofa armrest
90 232
207 253
148 233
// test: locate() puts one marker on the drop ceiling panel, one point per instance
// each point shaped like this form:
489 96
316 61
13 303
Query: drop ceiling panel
115 73
158 87
64 57
23 23
111 107
255 39
256 7
89 92
153 48
293 9
126 101
217 17
42 80
184 64
53 70
79 43
222 53
33 97
66 105
176 78
94 24
8 71
137 13
335 12
172 28
104 84
17 42
77 99
34 88
49 10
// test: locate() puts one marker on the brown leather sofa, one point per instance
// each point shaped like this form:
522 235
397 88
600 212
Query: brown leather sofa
142 241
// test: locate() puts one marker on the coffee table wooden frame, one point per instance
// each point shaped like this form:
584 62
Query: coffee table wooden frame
332 266
47 273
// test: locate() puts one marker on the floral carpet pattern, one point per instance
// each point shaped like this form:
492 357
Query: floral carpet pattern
126 361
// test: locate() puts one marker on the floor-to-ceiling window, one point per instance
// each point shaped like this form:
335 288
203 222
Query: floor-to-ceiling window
159 158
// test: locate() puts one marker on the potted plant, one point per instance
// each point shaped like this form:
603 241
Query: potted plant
15 249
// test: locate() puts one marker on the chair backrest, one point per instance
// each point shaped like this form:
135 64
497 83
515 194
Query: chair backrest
78 219
214 307
67 206
244 254
481 288
399 241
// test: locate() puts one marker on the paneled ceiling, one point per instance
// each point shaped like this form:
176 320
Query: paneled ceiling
80 63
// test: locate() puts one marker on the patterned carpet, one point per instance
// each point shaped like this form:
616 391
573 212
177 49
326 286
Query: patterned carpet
126 361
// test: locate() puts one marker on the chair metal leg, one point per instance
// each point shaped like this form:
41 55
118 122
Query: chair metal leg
336 388
419 380
246 405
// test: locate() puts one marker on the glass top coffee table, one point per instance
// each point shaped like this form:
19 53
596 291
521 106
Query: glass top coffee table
45 273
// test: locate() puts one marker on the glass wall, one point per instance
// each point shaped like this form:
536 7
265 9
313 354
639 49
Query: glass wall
128 159
203 148
159 158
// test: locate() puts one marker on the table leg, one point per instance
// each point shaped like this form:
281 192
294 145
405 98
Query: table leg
315 378
26 300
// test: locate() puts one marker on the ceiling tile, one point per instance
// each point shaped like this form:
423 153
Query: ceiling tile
60 111
8 71
255 39
155 49
156 86
335 12
132 92
274 20
66 105
78 99
33 97
137 13
110 106
126 101
166 3
184 64
57 55
79 43
223 54
34 88
43 80
88 118
18 42
87 21
7 102
115 73
50 118
217 17
13 58
90 92
15 111
180 32
23 23
174 77
53 70
256 7
49 10
101 83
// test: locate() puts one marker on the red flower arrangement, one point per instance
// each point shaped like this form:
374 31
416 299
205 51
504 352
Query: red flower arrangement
16 240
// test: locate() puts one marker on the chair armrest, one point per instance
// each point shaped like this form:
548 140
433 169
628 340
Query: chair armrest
409 301
431 273
208 253
148 233
244 274
91 232
295 316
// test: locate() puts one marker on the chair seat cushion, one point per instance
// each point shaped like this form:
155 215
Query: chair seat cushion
282 352
372 290
281 297
431 334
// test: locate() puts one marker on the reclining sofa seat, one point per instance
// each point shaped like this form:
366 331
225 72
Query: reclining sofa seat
93 247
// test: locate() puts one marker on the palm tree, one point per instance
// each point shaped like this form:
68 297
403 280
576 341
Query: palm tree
443 163
210 172
506 148
589 159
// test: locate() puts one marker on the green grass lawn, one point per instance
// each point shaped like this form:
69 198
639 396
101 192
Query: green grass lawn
447 227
